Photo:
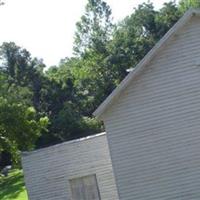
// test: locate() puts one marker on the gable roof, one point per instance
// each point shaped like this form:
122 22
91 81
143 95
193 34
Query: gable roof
145 61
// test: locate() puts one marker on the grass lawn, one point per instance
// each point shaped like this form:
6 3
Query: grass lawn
12 187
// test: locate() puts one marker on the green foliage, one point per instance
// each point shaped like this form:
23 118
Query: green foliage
91 125
137 34
94 28
184 5
66 103
15 63
20 124
13 187
19 127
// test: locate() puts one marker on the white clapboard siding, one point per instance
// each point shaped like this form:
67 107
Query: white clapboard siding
48 171
153 128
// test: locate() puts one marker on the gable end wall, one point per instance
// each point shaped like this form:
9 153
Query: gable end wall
153 128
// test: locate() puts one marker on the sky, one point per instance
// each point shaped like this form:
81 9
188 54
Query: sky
46 27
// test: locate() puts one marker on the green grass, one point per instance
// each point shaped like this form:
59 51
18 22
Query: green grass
12 187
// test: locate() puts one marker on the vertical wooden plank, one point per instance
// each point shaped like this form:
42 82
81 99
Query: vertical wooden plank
77 188
85 188
91 188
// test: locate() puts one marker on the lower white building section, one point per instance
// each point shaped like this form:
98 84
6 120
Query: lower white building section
75 170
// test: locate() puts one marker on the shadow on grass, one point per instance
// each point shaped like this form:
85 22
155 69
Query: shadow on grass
11 186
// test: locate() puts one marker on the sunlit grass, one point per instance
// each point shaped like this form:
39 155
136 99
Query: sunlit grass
12 187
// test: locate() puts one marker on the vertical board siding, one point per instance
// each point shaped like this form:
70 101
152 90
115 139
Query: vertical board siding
153 128
48 171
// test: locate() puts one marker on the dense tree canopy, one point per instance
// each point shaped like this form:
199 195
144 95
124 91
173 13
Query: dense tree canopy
40 108
184 5
20 125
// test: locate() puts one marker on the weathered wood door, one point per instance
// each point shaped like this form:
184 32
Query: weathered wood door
85 188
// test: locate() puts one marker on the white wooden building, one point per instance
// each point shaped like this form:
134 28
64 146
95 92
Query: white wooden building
152 120
75 170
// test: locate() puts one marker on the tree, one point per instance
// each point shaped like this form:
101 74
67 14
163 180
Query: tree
167 17
184 5
23 70
93 77
19 128
19 124
64 105
94 28
15 63
137 34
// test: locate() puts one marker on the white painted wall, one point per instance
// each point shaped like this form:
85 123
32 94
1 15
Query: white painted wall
153 128
48 171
